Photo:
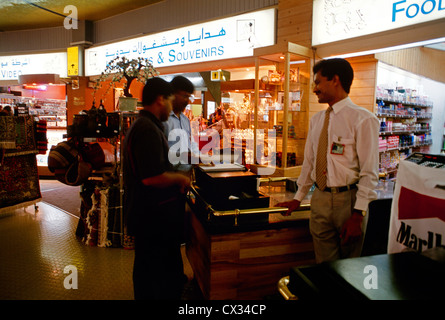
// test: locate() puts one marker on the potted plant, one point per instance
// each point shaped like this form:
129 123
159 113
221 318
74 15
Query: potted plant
122 68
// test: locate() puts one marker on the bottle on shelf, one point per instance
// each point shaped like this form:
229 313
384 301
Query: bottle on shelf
102 119
92 119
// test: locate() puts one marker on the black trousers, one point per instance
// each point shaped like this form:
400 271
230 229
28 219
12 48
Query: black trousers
158 272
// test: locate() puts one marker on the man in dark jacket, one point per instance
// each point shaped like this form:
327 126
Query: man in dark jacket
151 196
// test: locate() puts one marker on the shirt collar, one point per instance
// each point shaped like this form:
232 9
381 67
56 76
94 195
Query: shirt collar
173 114
341 104
152 117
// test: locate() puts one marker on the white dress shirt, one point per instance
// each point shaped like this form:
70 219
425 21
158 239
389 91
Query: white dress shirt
355 130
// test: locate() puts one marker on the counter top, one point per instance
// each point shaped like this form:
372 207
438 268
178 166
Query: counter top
262 218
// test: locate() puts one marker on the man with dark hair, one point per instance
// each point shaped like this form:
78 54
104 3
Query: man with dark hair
340 67
341 158
151 193
177 127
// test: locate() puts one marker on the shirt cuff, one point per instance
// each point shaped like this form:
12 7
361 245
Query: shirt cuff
299 196
361 204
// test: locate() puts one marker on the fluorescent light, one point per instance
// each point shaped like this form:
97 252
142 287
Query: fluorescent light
297 62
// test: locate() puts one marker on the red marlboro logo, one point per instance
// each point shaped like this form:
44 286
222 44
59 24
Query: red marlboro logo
413 205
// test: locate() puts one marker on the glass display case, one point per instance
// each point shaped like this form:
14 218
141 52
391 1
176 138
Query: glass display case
280 109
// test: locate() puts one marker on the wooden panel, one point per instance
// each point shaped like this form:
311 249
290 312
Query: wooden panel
365 81
295 22
198 253
247 265
422 61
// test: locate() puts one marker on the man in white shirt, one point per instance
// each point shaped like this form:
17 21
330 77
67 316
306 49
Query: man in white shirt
180 139
350 171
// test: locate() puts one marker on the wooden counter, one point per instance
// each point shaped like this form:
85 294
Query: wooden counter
247 260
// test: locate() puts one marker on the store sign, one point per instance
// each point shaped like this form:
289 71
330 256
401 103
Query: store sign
11 67
73 61
220 39
335 20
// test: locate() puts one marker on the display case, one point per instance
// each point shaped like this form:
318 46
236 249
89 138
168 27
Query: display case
280 109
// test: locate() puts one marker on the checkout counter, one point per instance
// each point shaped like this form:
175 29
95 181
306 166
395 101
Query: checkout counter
407 272
239 244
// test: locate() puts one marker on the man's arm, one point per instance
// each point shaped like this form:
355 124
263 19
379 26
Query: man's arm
367 146
368 157
168 179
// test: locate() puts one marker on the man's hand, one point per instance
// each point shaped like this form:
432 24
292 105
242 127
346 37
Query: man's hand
352 228
184 183
291 205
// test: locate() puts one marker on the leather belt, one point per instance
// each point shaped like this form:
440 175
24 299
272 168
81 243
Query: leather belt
339 189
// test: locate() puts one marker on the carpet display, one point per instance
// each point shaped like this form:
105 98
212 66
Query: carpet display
100 216
24 135
19 182
7 132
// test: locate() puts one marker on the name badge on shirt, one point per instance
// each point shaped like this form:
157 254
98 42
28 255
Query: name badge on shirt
337 148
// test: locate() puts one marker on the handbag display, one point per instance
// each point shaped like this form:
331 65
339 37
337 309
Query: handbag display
93 154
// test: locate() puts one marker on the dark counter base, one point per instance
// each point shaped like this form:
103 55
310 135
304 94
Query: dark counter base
247 262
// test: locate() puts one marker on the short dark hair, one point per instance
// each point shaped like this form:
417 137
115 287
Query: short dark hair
181 83
337 66
155 87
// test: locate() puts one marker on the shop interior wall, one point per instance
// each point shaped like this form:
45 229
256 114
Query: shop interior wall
81 98
423 61
362 88
34 40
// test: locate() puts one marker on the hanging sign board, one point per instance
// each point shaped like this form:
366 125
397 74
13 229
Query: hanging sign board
335 20
227 38
73 61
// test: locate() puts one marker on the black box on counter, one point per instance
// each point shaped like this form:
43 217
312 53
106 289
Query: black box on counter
291 184
229 190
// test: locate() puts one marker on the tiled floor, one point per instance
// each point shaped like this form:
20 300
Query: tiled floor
37 244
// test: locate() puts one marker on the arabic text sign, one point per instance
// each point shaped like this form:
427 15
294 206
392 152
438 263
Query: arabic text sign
11 67
335 20
220 39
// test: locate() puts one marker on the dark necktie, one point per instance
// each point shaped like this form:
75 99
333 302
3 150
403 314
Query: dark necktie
321 162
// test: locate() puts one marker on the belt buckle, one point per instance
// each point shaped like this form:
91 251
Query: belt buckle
335 190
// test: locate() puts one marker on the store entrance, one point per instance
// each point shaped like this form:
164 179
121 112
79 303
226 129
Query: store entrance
47 103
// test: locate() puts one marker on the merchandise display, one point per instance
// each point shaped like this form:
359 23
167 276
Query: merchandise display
101 221
47 107
404 125
19 180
